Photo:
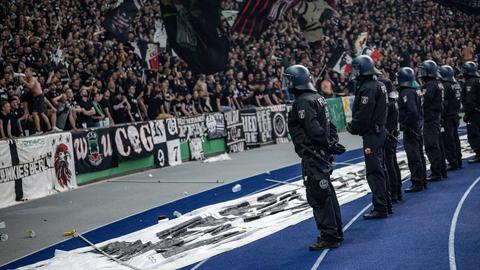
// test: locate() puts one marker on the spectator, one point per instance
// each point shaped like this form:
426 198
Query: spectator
188 106
326 86
221 100
199 103
106 107
121 111
99 117
85 115
134 105
18 117
274 93
37 101
261 97
5 120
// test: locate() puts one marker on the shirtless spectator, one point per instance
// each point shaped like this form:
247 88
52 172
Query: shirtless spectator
37 100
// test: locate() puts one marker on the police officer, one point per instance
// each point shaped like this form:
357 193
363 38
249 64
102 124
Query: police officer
315 139
450 121
411 123
369 115
432 90
471 104
394 180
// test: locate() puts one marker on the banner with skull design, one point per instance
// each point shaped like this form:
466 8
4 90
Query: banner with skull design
94 150
133 141
215 123
166 142
35 167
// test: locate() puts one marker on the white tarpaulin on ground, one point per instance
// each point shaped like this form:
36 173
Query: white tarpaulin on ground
214 229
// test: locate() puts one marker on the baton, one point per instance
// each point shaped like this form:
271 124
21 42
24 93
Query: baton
317 155
390 135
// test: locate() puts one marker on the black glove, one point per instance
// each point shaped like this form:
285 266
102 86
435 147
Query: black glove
337 149
350 129
395 133
466 118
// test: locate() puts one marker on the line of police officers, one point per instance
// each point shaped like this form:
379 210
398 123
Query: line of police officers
428 115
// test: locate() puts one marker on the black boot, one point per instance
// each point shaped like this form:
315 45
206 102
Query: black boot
394 198
374 214
476 159
323 245
433 178
452 167
414 188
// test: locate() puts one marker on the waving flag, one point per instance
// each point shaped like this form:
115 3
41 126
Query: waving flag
118 20
256 15
311 14
194 33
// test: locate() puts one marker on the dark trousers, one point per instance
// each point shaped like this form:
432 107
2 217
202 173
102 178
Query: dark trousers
413 144
322 198
431 136
473 132
451 141
393 170
375 170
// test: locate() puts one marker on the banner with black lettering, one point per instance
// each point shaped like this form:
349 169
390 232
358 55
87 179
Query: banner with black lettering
35 167
215 123
7 185
191 127
94 150
133 141
279 123
166 141
264 126
250 126
234 128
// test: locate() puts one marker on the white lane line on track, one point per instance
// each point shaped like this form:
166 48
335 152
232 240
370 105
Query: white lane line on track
325 251
453 226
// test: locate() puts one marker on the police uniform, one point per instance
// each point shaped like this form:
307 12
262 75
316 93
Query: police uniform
369 116
394 179
309 125
432 107
471 104
451 109
411 123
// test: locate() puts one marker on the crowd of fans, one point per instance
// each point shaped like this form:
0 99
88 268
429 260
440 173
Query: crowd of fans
60 69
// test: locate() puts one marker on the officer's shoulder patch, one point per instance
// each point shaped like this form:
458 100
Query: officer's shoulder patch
301 114
321 101
384 88
364 100
405 99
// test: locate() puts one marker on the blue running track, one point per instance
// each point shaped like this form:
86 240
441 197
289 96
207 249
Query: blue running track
416 236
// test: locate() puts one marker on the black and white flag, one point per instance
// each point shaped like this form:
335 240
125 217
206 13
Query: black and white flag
118 20
94 150
215 123
235 136
133 141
